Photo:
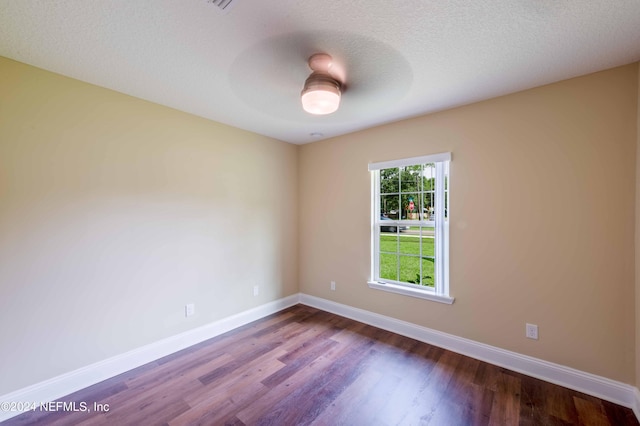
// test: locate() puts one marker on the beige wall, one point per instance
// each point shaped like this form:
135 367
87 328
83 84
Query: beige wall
542 210
115 213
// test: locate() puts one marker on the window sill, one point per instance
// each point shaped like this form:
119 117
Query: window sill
422 294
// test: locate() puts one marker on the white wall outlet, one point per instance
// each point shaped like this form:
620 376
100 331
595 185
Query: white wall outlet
532 331
189 309
333 285
256 290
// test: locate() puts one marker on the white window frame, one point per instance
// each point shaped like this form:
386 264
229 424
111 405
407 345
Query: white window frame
440 292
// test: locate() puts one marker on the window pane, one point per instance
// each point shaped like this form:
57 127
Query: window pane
411 205
410 244
428 205
428 241
410 269
428 272
389 266
428 182
388 243
428 252
429 177
389 206
389 181
410 178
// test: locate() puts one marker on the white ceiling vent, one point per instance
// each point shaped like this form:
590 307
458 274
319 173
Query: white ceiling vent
223 5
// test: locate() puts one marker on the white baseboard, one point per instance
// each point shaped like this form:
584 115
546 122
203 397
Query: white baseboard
65 384
601 387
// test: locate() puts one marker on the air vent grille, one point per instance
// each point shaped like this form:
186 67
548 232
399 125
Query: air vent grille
224 5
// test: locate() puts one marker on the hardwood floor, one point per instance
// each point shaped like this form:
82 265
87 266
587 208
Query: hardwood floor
303 366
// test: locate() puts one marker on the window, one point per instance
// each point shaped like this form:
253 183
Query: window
410 231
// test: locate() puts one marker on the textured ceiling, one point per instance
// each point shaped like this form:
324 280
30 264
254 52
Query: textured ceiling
245 66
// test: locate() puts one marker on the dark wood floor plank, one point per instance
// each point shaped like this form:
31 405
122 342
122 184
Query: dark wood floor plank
372 400
316 334
560 404
506 403
305 366
221 405
408 361
617 416
190 368
231 386
487 376
304 356
590 413
423 405
340 411
461 386
464 402
533 403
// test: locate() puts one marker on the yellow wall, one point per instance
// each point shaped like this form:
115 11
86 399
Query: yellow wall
115 213
542 211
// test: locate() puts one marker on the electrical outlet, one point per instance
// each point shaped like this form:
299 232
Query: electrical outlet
532 331
333 285
256 290
189 309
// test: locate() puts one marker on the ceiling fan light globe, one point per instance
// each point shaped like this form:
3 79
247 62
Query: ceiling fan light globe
320 101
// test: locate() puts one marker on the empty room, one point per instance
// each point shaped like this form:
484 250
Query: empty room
329 213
